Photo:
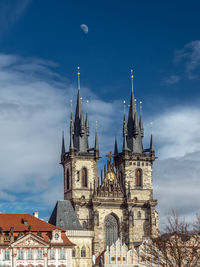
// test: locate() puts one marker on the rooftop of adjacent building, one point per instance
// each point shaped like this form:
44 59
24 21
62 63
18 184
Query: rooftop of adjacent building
22 224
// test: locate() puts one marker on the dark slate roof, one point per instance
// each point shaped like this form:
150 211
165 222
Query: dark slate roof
64 216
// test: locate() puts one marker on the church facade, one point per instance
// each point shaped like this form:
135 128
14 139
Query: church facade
120 203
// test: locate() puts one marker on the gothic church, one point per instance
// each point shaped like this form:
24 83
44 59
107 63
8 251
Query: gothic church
120 203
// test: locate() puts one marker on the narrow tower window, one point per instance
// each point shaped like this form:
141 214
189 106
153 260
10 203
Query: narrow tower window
83 252
84 177
67 178
139 177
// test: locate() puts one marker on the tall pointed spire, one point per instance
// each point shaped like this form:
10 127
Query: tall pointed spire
133 139
80 137
141 122
115 147
63 147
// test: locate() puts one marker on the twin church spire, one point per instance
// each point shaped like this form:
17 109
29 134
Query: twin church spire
133 130
79 129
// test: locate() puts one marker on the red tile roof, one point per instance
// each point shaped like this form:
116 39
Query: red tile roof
17 221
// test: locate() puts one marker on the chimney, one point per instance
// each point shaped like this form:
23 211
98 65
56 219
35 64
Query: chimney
35 214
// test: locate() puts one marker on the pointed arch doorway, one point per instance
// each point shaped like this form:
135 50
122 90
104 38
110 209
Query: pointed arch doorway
111 229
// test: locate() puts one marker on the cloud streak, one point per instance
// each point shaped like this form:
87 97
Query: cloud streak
172 79
11 11
190 56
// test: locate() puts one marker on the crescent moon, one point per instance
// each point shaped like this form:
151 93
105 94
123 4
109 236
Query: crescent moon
84 28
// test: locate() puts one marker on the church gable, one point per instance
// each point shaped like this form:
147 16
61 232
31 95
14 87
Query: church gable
30 240
110 185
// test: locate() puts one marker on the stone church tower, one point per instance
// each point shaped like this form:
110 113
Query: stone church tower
120 203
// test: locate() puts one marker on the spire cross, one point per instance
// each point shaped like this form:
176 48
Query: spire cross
78 74
132 81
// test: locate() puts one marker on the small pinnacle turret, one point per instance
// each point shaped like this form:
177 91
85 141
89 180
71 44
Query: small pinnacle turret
96 146
115 147
63 147
151 145
141 122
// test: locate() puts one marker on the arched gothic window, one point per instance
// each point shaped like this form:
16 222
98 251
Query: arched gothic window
83 252
67 178
84 177
111 229
139 177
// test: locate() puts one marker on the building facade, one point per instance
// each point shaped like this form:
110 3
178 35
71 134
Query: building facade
120 203
28 241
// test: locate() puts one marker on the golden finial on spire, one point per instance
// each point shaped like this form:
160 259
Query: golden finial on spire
132 81
78 74
131 74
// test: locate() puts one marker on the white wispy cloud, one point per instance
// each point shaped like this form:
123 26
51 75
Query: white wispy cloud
190 56
172 79
11 11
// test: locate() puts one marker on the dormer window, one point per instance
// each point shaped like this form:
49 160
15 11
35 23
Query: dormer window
56 236
24 221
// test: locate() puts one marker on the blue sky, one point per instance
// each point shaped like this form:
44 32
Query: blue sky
41 45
